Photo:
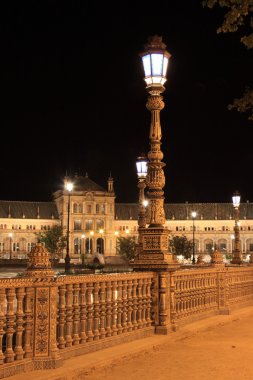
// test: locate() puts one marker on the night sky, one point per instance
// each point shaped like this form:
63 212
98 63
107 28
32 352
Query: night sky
73 99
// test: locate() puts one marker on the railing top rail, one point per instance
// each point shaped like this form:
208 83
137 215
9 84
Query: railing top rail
17 282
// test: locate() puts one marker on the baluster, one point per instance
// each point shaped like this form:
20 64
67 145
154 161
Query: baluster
96 311
114 308
139 299
2 323
19 353
90 313
83 313
129 305
29 299
135 305
149 302
124 311
62 316
69 317
102 308
144 301
108 308
119 308
10 322
76 312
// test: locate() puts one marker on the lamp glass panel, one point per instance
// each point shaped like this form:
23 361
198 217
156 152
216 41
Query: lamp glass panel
146 65
165 66
157 64
236 200
141 168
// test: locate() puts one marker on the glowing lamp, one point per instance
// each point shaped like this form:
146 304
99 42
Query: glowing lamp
155 61
236 198
142 168
69 186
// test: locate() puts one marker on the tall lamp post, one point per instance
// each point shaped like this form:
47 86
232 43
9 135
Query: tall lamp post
155 253
237 255
69 188
141 166
194 214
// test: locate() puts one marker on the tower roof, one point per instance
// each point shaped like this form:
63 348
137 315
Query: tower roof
86 184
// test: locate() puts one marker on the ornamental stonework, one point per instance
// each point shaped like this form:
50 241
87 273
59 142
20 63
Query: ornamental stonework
155 103
42 322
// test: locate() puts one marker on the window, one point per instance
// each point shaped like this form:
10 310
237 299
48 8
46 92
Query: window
251 247
77 246
75 208
77 225
80 208
88 209
102 209
88 224
223 246
100 224
97 209
209 247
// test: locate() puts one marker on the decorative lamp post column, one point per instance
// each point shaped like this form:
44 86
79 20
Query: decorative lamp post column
155 253
69 188
237 255
194 214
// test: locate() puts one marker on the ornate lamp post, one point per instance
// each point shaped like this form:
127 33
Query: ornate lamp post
155 252
69 188
194 214
237 255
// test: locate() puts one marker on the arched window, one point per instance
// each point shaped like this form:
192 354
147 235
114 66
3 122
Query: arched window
80 208
74 208
100 245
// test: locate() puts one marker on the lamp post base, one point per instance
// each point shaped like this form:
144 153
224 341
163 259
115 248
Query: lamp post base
237 258
67 264
154 253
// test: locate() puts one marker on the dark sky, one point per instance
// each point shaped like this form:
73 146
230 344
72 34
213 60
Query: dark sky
73 98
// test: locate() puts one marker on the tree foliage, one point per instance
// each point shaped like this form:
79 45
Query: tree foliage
54 240
180 245
126 247
239 15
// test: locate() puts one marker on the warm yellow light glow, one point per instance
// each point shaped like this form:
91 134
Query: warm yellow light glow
91 233
116 233
236 198
232 236
83 236
69 186
145 203
101 231
194 214
10 234
127 231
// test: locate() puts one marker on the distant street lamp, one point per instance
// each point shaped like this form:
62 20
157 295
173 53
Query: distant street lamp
237 255
69 188
141 166
10 236
194 214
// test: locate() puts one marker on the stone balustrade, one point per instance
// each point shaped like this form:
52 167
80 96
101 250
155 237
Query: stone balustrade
45 320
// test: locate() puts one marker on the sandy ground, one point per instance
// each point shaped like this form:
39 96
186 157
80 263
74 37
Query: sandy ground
219 348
